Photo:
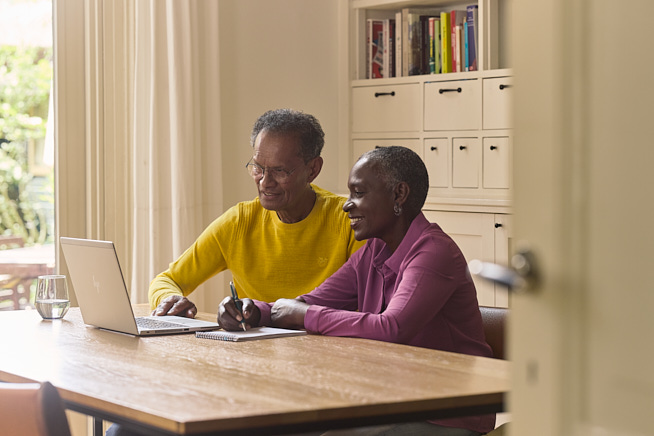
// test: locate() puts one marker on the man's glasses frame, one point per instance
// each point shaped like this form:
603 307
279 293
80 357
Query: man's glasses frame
280 175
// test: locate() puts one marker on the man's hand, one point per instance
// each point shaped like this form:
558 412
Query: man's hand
289 314
229 317
176 305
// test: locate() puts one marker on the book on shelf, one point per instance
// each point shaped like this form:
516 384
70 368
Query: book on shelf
457 17
472 22
397 52
465 45
416 41
385 48
414 52
434 45
375 52
250 335
388 69
446 45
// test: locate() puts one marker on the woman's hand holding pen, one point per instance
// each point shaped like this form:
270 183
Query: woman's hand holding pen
230 318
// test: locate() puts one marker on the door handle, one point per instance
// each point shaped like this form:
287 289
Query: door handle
520 276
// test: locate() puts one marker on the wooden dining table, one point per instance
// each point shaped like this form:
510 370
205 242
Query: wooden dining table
182 385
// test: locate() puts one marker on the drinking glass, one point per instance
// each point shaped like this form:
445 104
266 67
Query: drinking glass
52 300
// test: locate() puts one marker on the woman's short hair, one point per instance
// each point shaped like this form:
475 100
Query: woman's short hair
397 164
288 121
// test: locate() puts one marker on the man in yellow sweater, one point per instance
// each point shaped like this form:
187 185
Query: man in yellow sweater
283 243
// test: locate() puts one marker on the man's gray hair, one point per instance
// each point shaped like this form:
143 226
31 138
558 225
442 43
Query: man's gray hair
288 121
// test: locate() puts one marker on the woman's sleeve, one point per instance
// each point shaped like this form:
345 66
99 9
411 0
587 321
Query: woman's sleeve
424 287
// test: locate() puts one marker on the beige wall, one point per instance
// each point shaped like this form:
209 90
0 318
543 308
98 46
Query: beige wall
276 53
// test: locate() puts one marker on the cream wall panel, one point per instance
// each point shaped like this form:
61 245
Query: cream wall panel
276 54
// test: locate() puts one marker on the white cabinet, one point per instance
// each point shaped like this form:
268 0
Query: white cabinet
459 123
360 146
437 160
466 162
496 162
497 102
453 105
389 108
482 236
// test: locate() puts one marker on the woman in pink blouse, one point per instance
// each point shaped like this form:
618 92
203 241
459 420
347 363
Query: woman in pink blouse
409 284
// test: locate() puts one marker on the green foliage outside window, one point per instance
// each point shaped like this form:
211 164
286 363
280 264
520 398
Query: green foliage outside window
25 81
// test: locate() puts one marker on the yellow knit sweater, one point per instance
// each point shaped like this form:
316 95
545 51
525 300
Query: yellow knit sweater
268 259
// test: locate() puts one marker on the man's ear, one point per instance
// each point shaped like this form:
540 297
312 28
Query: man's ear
315 166
402 193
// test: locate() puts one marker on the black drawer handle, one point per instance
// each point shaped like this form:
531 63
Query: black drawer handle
504 86
498 225
462 147
433 148
442 90
380 94
492 147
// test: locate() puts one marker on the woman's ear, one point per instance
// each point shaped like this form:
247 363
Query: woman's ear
315 166
401 193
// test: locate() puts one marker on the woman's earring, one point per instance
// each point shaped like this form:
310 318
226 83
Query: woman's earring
397 209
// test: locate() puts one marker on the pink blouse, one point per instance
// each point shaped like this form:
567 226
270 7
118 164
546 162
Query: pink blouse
421 295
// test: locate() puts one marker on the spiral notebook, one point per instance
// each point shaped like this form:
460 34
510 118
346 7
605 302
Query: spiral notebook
250 335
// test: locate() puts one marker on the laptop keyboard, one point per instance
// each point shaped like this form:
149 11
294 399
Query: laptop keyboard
149 323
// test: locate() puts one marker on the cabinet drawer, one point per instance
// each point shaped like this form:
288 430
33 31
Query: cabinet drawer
474 234
496 166
453 105
466 162
436 157
360 146
388 108
498 96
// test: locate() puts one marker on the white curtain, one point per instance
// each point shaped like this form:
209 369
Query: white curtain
176 134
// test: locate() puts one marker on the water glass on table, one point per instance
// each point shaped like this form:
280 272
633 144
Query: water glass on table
52 301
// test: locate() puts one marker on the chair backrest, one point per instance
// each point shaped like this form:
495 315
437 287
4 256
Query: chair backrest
494 319
32 409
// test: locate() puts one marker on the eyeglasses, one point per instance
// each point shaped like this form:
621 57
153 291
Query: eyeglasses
280 175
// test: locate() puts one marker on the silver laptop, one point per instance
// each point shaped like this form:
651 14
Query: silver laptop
102 295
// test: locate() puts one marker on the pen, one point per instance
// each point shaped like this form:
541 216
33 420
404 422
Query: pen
239 304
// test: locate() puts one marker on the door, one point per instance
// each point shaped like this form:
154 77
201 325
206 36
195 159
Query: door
582 340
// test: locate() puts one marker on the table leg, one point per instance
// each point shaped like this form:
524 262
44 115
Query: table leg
97 426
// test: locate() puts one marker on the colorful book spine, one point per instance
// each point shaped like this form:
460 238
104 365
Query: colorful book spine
456 19
377 49
414 43
466 66
446 43
391 49
385 47
436 44
471 20
398 44
432 48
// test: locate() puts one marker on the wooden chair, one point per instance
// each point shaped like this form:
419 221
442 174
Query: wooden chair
494 319
502 430
32 409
